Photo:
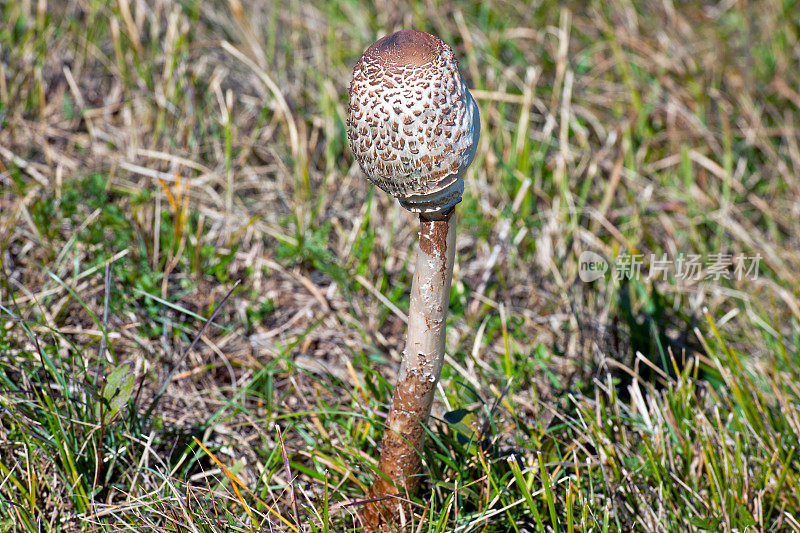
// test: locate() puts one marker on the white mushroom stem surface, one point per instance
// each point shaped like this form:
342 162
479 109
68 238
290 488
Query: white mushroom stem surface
430 298
422 363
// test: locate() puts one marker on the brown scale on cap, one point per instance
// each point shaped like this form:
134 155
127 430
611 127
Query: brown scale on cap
408 97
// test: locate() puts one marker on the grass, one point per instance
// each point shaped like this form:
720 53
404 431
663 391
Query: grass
202 302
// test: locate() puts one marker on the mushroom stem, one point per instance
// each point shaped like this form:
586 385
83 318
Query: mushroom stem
400 460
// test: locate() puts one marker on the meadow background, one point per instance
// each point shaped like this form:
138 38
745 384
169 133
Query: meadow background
202 301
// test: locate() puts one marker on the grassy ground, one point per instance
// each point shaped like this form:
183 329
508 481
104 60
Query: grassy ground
202 302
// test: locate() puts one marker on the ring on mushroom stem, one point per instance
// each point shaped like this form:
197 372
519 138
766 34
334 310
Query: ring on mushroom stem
414 128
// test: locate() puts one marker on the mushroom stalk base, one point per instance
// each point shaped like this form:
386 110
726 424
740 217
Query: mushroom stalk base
400 462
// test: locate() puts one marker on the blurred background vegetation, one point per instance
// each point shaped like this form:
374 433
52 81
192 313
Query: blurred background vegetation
194 267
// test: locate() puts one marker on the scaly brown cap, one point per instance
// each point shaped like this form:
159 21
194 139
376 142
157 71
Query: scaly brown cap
413 124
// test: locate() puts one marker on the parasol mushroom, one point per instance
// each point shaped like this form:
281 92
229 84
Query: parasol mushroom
414 128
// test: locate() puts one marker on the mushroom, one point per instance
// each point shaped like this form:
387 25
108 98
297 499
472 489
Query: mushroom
414 128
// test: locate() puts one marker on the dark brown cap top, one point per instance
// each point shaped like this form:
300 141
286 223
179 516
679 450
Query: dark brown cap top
406 47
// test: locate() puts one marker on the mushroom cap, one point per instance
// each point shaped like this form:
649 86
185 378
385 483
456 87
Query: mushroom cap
413 124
